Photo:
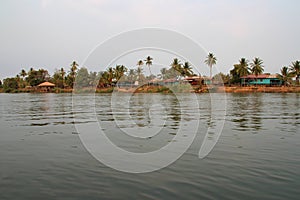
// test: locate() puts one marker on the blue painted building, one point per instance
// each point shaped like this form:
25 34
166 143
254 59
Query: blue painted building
261 79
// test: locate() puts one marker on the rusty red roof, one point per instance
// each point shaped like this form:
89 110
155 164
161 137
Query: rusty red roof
253 76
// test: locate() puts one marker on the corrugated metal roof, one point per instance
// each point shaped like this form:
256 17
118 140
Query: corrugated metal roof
253 76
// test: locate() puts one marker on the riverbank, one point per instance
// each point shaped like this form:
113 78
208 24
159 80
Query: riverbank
205 89
172 89
212 89
260 89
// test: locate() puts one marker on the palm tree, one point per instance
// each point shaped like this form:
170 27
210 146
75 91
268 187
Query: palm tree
176 64
163 73
295 70
120 71
176 67
210 61
23 73
257 66
285 75
148 62
242 67
110 75
74 66
239 70
30 70
187 70
71 76
104 79
18 79
139 72
62 73
131 76
140 63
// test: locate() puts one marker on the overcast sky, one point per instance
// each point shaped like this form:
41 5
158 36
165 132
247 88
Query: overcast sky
52 33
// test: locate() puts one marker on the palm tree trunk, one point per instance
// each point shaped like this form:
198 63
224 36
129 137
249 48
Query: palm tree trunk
149 70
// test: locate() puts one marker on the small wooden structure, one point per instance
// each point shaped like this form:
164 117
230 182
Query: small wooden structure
46 86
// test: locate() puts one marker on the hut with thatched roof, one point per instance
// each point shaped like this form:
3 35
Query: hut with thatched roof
46 86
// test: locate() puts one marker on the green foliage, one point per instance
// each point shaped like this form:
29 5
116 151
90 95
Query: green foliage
210 61
10 84
70 79
221 78
257 66
285 76
82 78
148 62
295 70
57 79
36 77
239 70
106 80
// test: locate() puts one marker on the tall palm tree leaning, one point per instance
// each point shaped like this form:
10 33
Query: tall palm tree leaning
257 66
148 62
210 61
295 70
176 66
187 70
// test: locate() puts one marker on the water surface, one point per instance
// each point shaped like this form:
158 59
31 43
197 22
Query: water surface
256 157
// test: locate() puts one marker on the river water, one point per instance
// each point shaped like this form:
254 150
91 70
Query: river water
257 155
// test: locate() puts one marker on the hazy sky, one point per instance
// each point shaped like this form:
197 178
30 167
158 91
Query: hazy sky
52 33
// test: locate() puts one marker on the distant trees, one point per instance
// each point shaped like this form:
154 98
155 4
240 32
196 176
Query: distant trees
242 69
10 84
114 74
163 73
36 77
82 78
58 79
221 78
179 69
66 78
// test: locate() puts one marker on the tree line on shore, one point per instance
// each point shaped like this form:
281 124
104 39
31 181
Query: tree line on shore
83 78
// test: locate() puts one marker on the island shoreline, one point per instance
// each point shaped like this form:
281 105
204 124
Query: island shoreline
164 89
